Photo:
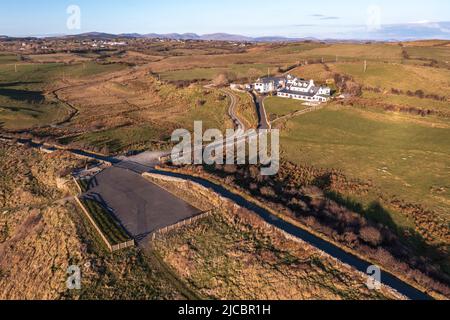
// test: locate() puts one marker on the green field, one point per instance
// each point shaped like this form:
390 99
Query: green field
441 54
181 108
403 158
53 71
246 110
197 104
119 139
284 55
277 107
8 58
405 100
346 52
25 105
213 113
237 70
23 102
398 76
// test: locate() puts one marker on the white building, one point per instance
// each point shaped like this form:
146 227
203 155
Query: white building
270 84
305 90
293 88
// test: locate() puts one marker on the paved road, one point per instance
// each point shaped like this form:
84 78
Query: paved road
264 123
141 206
239 134
239 125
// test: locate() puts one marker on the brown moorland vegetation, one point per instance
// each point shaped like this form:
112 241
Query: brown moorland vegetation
233 254
314 198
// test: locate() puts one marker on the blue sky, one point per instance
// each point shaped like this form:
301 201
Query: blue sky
295 18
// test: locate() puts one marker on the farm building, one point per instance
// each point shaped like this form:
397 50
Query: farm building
270 84
293 88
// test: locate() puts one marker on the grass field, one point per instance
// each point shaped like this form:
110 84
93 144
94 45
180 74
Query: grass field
405 100
283 55
377 52
277 107
441 54
313 71
402 157
246 110
141 115
20 109
208 106
57 58
123 138
238 70
23 101
8 58
44 73
404 77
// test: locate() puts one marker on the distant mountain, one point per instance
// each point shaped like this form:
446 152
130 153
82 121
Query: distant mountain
194 36
93 35
173 36
282 39
356 33
183 36
226 37
130 35
219 37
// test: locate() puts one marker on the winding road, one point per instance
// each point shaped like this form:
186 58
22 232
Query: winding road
264 123
239 127
138 165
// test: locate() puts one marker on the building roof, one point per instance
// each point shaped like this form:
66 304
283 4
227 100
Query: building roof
299 93
270 79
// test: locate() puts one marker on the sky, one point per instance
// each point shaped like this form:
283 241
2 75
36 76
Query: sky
290 18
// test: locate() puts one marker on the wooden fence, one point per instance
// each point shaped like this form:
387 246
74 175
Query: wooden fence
298 113
77 184
181 224
111 247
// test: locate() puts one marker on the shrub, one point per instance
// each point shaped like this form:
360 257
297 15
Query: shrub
268 192
371 236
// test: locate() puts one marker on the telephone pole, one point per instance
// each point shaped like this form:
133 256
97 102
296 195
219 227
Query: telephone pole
365 66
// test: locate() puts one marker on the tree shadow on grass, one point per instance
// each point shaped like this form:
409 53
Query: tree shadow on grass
375 212
23 95
18 83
